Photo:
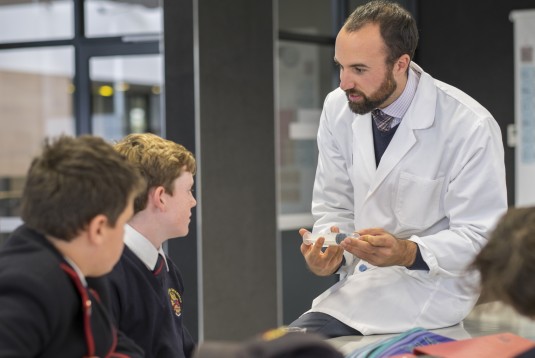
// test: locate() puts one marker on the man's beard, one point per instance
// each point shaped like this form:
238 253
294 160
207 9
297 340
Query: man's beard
368 104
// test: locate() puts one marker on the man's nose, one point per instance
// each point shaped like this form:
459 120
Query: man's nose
346 82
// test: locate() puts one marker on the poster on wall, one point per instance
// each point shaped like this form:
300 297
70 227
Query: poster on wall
524 47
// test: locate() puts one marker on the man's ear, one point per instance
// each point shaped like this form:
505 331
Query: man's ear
402 63
96 229
156 197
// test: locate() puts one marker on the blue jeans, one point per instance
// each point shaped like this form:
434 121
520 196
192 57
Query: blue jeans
325 325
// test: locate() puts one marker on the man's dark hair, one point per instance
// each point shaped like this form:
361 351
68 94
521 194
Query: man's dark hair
398 27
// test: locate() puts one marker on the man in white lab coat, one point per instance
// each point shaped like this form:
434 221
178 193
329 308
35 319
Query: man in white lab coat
423 190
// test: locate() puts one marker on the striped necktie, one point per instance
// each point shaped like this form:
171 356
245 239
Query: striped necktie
160 263
382 120
159 270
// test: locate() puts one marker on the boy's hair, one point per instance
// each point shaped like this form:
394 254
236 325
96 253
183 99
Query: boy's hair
507 262
160 162
398 27
72 181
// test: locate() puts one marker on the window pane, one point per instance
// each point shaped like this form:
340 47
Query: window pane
35 102
122 17
306 75
306 16
126 96
27 20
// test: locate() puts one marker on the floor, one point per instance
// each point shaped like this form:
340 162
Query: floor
485 319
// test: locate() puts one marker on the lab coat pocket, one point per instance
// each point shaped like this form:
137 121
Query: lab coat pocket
418 201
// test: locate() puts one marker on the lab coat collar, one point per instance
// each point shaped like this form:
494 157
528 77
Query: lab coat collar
420 115
421 112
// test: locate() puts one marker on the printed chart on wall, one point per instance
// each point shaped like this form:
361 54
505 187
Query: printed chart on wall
524 32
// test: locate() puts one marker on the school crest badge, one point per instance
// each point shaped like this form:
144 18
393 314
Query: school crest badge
176 301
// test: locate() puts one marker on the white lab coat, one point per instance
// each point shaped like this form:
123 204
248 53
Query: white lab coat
440 183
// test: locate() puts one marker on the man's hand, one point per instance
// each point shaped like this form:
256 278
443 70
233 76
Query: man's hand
322 263
380 248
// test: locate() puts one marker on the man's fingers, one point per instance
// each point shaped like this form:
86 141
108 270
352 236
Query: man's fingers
319 243
304 248
372 231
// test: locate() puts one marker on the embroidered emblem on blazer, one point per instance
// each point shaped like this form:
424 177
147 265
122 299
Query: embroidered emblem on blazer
176 301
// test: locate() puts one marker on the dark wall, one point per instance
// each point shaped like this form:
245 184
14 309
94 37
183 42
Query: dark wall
180 127
237 145
469 44
219 63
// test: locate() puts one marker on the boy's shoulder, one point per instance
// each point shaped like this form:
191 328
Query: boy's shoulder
28 253
129 265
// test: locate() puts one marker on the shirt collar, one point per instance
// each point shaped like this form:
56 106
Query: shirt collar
77 270
143 248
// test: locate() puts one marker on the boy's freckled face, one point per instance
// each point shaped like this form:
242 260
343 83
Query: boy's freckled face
179 205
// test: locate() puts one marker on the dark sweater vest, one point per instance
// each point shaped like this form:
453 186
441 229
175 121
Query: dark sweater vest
381 140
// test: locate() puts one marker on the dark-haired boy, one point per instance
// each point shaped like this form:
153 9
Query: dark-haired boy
77 198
